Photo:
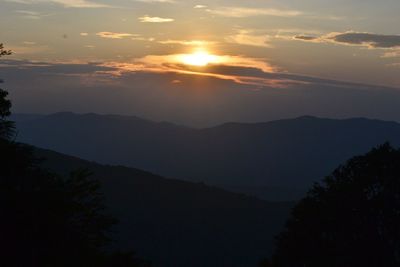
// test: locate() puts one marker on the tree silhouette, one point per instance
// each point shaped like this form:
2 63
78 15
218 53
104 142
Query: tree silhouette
6 127
47 220
4 52
264 263
352 219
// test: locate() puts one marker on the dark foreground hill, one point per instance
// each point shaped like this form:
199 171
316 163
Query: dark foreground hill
176 223
273 159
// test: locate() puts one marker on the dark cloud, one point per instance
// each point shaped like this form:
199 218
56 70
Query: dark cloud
305 38
356 38
370 39
98 72
279 77
55 67
39 87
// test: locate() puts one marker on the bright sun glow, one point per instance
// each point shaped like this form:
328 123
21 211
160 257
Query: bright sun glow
199 58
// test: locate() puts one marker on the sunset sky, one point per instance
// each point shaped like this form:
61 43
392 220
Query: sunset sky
204 62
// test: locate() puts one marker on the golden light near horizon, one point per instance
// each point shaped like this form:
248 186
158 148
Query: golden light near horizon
199 58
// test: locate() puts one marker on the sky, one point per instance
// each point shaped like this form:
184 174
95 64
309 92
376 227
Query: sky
202 63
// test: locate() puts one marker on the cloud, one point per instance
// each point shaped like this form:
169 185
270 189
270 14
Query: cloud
370 40
43 87
238 69
367 39
65 3
174 62
392 54
115 35
188 42
148 19
157 1
84 34
305 38
242 12
200 6
140 38
28 14
247 37
51 67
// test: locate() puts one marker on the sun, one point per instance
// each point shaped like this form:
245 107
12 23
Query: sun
199 58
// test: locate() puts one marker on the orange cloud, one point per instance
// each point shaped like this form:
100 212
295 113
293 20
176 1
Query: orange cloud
148 19
115 35
241 70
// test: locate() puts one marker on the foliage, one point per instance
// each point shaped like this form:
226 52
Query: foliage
264 263
352 219
6 126
48 220
4 52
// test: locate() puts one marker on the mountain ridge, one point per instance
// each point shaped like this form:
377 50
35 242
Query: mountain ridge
291 153
175 223
31 116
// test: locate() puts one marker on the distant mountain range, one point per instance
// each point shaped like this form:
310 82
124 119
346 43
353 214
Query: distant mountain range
179 224
278 159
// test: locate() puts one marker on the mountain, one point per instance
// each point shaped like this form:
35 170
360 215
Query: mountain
284 156
176 223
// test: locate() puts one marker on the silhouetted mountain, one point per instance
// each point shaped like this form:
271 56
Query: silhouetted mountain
176 223
288 154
